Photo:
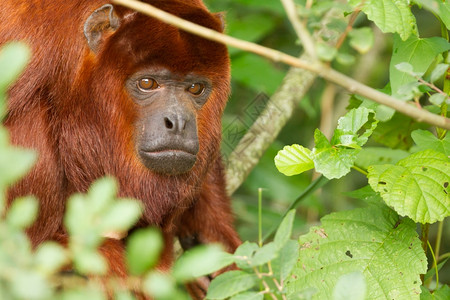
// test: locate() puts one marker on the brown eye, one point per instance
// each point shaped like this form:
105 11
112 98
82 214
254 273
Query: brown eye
196 89
147 84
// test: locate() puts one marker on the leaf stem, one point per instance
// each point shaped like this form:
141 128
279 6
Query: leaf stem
424 239
365 173
266 286
431 86
437 246
441 133
435 264
444 256
349 27
314 186
260 239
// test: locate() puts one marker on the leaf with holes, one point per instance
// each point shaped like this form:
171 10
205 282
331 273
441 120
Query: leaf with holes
374 241
417 186
389 15
332 161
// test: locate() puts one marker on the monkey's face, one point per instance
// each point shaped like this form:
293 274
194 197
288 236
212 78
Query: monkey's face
166 138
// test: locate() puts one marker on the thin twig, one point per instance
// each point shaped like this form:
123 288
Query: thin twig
300 28
349 28
424 238
431 86
348 83
326 109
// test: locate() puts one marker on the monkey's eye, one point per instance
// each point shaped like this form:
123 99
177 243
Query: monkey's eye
196 89
147 84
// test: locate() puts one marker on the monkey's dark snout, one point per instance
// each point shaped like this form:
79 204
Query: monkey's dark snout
170 144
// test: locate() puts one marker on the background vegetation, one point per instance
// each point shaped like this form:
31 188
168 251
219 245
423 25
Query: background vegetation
265 22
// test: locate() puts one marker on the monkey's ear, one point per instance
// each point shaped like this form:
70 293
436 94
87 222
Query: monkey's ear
101 20
221 17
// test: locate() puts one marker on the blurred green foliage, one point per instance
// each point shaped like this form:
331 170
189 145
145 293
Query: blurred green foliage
264 22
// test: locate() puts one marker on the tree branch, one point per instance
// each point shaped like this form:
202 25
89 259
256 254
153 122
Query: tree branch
318 68
302 32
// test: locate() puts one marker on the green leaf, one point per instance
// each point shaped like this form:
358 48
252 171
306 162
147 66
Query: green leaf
442 293
325 52
444 13
282 265
230 284
438 7
102 193
409 91
351 123
272 6
264 254
257 73
335 159
417 186
406 68
244 254
77 217
199 261
14 163
91 292
50 257
345 59
248 296
350 286
419 53
90 263
361 39
396 133
293 160
121 215
159 285
23 212
14 56
368 195
124 295
30 285
431 272
333 162
252 28
354 120
382 112
426 140
374 241
144 247
379 155
284 231
438 99
389 15
249 255
438 72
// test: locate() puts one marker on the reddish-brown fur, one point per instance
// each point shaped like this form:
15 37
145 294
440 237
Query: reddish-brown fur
70 105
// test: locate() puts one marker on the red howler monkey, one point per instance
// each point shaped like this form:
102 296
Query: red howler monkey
113 92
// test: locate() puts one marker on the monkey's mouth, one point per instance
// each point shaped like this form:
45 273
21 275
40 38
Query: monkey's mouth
168 161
